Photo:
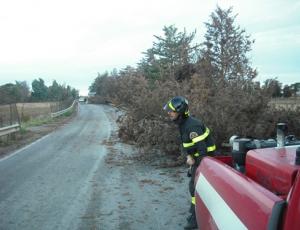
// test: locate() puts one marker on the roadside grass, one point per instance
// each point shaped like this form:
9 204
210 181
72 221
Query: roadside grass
14 138
68 113
33 126
35 122
25 125
43 121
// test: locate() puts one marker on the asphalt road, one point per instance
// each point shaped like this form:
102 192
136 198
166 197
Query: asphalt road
81 177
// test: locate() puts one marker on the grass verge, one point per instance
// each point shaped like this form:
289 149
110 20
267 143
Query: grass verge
32 130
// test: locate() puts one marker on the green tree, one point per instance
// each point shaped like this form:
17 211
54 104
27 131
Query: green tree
13 93
74 93
7 95
225 47
169 52
287 91
149 66
39 90
98 85
67 92
58 92
295 89
55 91
23 91
272 87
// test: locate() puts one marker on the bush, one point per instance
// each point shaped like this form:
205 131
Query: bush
217 79
226 108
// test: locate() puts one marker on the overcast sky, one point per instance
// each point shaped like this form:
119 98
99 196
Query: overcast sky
71 41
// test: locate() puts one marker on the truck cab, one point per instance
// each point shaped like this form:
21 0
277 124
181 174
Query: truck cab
264 195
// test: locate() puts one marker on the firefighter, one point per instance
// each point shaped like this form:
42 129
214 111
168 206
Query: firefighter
197 142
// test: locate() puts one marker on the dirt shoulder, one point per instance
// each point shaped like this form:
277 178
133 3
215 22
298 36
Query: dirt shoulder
136 191
31 134
143 194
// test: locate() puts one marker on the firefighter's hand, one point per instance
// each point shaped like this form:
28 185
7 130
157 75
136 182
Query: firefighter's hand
190 160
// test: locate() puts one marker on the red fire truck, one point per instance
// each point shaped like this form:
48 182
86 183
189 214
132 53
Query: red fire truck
256 187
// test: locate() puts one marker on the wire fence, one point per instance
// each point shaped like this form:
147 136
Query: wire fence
22 112
9 115
60 105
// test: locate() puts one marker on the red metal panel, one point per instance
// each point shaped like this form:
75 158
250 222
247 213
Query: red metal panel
248 201
225 159
273 168
203 214
292 220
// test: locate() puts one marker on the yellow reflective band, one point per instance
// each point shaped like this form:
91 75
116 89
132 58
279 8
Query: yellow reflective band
171 106
196 154
193 200
186 145
201 137
211 148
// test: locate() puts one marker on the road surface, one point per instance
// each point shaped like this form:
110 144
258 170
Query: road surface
82 177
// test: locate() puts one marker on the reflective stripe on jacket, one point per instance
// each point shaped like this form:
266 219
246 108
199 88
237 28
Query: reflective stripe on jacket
196 137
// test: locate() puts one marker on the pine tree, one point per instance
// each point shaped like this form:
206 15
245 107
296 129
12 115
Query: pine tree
169 53
226 46
39 90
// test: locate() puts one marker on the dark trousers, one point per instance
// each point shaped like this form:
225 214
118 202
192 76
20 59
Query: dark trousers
192 180
192 187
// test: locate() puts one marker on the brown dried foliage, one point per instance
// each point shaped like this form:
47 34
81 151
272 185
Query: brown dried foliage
227 108
217 79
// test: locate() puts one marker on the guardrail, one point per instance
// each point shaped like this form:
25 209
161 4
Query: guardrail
56 114
9 129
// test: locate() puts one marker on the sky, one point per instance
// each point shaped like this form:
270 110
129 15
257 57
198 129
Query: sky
71 41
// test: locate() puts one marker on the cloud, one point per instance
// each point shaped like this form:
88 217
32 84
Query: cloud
67 39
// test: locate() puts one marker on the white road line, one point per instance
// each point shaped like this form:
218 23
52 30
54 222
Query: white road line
22 149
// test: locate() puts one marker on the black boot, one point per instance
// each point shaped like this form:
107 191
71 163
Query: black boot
192 211
189 218
191 224
191 221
